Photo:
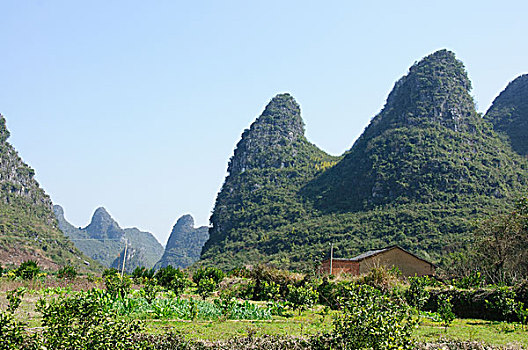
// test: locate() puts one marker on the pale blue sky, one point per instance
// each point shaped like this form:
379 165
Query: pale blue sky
137 105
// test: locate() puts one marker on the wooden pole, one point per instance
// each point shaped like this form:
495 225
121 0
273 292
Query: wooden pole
331 256
124 259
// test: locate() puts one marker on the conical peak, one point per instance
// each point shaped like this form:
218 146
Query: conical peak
103 226
516 91
185 221
436 90
284 113
101 214
59 211
4 133
279 128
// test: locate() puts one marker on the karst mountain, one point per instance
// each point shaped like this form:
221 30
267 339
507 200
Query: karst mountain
28 228
184 245
509 114
104 241
423 170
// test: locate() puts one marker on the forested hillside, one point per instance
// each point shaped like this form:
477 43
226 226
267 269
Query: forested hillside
509 114
424 169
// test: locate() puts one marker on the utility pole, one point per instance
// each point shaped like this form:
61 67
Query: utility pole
124 258
331 256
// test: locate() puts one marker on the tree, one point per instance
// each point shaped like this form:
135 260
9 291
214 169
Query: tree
501 245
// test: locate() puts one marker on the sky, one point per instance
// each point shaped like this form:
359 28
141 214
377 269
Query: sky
137 105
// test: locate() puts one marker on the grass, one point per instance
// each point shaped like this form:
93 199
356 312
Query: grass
489 332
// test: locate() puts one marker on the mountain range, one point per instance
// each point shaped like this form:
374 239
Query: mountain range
104 241
424 169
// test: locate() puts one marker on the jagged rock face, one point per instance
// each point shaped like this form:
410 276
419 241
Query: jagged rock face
17 178
185 244
103 240
436 90
28 228
279 126
103 226
509 114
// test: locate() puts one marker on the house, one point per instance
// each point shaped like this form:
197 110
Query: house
408 263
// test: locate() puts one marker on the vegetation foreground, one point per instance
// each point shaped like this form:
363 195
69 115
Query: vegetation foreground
258 308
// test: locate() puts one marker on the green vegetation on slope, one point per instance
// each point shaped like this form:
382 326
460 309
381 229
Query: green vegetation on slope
28 228
184 245
424 169
509 114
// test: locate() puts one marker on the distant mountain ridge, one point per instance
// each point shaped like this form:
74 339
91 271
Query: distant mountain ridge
184 244
28 228
424 169
104 241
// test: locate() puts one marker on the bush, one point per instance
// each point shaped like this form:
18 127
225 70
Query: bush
213 273
67 272
205 287
381 278
302 297
117 285
142 272
28 270
172 279
417 294
445 310
370 320
82 322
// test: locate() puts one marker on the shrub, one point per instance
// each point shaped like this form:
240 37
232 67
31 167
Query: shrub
141 272
149 291
82 322
67 272
302 297
172 279
117 285
28 270
205 287
213 273
380 278
445 310
14 298
417 294
503 302
1 271
370 320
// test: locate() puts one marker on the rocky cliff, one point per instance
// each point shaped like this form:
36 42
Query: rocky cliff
28 228
185 244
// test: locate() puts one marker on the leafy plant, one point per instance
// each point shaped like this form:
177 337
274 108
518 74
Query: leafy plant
205 287
82 322
28 270
67 272
117 285
445 310
14 298
417 294
370 320
302 297
503 301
